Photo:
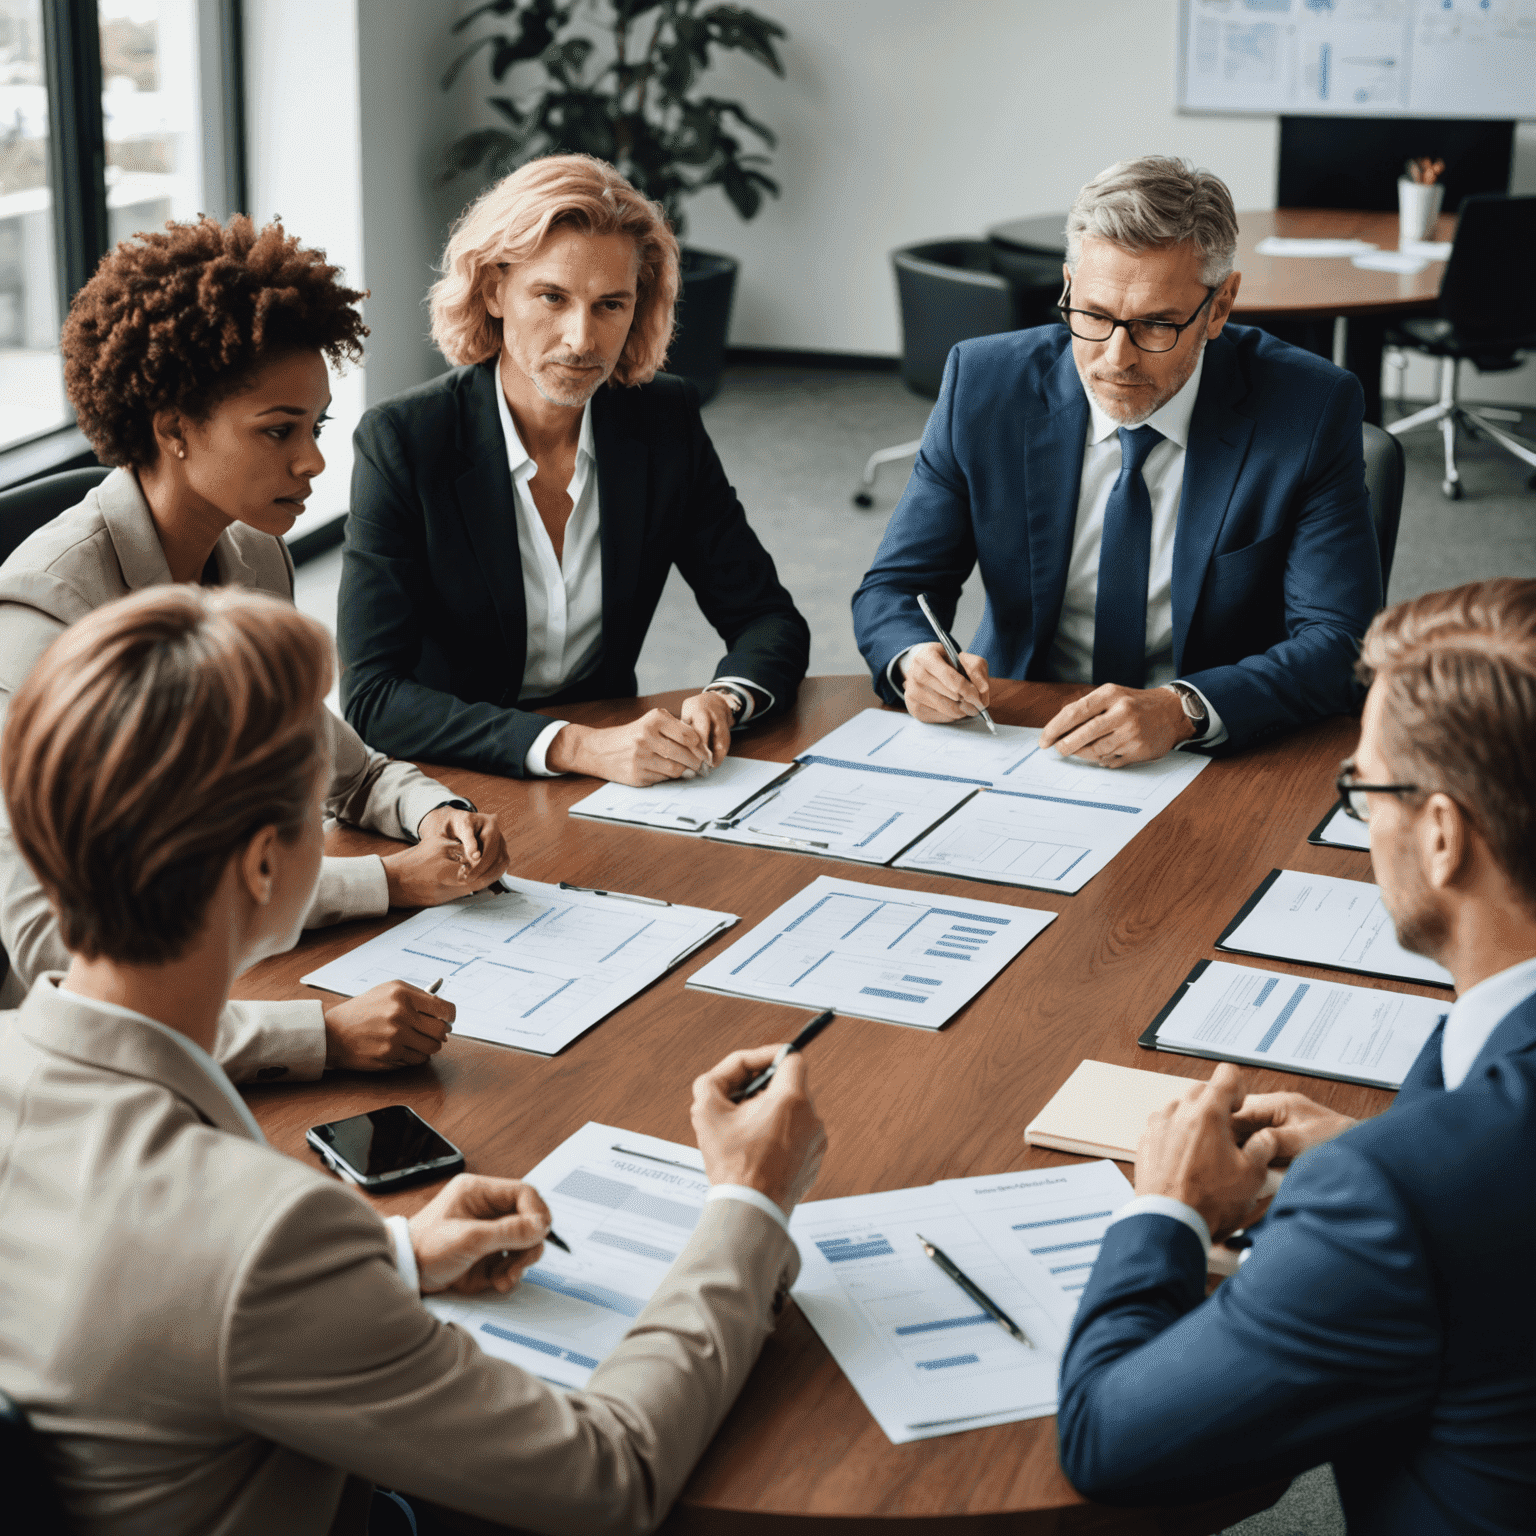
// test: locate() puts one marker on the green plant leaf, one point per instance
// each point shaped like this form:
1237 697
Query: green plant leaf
509 109
733 26
491 39
494 7
473 149
722 109
566 61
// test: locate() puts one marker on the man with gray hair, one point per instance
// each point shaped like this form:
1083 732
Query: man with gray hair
1162 505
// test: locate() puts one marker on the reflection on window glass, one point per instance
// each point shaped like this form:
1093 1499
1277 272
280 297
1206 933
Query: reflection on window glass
149 103
31 381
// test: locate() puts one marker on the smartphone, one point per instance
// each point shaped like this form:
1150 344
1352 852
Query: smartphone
385 1149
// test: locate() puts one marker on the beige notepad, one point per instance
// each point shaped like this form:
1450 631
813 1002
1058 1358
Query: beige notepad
1101 1110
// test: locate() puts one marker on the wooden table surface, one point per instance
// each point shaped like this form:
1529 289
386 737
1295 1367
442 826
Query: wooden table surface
903 1107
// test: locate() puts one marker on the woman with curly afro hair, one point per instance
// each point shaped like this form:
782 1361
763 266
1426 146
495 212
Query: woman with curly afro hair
197 362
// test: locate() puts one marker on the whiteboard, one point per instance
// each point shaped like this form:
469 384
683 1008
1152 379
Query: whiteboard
1360 58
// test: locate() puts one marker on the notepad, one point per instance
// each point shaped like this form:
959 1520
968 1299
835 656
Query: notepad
1101 1110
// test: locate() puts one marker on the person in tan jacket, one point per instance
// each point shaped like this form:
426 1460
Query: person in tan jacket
196 362
210 1337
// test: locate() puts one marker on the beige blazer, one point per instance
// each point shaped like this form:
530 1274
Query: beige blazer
211 1336
101 550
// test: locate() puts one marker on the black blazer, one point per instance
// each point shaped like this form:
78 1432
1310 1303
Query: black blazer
431 622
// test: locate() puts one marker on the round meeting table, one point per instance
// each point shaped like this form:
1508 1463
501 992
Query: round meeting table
799 1454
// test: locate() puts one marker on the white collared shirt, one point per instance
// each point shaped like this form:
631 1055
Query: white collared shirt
1477 1013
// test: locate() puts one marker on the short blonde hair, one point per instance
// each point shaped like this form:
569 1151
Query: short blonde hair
510 221
151 741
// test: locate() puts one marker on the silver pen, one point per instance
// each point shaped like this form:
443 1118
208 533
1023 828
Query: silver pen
592 890
779 837
950 651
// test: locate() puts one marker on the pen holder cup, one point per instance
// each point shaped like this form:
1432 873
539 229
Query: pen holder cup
1418 206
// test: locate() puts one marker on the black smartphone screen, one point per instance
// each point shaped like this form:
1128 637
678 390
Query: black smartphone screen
385 1141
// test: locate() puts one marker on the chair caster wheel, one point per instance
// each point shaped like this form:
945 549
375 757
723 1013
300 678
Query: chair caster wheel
1451 489
863 499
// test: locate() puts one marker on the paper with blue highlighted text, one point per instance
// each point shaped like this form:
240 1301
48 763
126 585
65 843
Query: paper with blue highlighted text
626 1204
1032 817
873 951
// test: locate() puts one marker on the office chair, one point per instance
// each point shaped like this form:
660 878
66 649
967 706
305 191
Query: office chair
949 291
26 508
28 1490
1384 479
1487 317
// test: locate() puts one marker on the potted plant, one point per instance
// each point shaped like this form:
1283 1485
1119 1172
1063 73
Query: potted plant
637 105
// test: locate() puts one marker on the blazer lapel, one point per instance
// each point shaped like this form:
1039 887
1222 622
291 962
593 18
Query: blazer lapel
132 531
1516 1031
1218 443
623 487
1057 439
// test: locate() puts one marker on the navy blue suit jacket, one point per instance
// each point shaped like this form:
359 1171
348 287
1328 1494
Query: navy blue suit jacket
1276 569
1385 1320
432 624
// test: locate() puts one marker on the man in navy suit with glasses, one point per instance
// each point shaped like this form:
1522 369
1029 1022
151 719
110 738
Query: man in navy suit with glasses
1385 1316
1162 505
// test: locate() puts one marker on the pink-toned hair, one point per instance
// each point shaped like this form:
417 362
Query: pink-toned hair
510 221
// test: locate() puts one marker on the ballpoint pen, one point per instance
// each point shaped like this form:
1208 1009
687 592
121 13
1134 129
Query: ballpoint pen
779 837
751 809
973 1290
799 1043
951 652
592 890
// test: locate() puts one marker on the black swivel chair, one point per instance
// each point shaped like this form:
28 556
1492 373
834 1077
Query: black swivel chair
1487 317
29 1496
951 290
26 508
1384 479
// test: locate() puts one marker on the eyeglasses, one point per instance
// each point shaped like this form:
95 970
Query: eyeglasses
1352 795
1146 335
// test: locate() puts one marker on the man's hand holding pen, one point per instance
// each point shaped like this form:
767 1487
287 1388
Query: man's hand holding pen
460 851
936 693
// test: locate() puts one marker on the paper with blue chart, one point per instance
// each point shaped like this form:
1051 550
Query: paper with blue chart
1033 817
534 967
899 957
626 1204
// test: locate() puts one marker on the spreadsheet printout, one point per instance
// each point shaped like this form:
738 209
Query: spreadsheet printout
683 805
1323 920
899 957
1322 1028
626 1204
924 1358
533 967
1041 820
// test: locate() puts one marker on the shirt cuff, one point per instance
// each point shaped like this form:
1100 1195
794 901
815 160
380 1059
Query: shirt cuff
348 888
451 800
892 674
534 764
405 1254
749 690
1166 1205
750 1197
1215 731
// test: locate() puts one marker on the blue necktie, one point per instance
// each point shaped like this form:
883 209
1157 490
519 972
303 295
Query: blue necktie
1125 560
1427 1074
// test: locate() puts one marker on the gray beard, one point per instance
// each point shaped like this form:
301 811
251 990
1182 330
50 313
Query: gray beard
1113 412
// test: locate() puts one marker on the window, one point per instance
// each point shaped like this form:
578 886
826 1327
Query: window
115 116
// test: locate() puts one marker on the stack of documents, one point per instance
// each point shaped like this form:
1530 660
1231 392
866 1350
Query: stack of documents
1284 245
684 805
899 957
1102 1109
924 1358
533 967
1324 1029
1322 920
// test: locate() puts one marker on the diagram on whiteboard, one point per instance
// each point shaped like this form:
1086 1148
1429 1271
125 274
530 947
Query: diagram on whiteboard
1368 58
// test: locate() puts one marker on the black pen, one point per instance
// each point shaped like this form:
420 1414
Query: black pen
973 1290
799 1043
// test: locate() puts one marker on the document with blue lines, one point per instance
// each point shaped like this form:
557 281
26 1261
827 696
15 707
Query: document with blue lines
626 1204
923 1357
1037 819
899 957
531 968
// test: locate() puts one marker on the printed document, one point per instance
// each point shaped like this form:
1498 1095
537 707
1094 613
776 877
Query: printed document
626 1204
683 805
1323 1028
924 1358
534 967
900 957
1338 830
1322 920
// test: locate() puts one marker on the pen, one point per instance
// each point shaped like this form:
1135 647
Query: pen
799 1043
592 890
973 1290
779 837
751 810
950 651
432 990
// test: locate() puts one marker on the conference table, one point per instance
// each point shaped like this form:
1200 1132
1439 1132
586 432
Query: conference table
799 1453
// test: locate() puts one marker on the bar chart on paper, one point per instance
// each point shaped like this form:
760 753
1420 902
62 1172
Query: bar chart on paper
900 957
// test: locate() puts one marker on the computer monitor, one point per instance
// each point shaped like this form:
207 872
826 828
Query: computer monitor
1355 162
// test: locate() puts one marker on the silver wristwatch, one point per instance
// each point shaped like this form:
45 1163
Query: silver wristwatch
1194 708
733 696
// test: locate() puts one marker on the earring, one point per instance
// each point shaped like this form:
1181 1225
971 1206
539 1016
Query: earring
181 453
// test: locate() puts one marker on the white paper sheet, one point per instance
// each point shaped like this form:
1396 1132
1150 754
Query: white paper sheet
1322 1028
1402 262
1342 831
1057 1215
1322 920
899 957
626 1204
683 805
532 968
1048 822
923 1357
845 813
1285 245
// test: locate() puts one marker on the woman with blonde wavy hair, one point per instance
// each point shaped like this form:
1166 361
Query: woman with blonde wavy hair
513 522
